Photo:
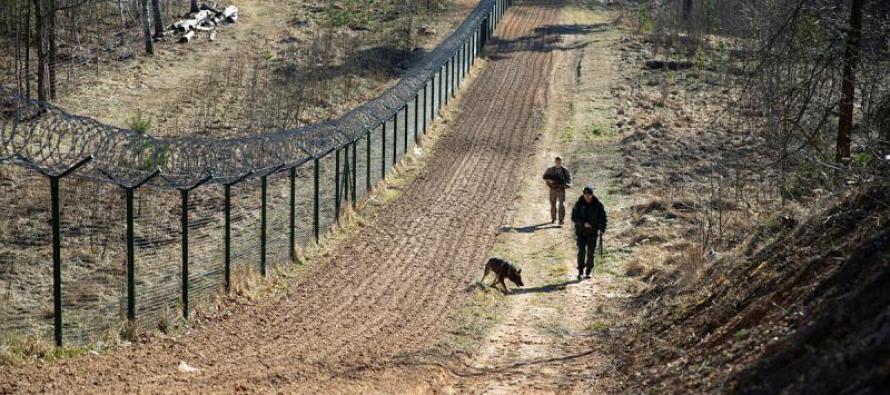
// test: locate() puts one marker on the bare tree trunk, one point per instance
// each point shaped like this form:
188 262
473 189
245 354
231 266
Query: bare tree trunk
41 49
27 49
194 6
120 9
51 34
848 86
159 22
18 48
687 9
146 26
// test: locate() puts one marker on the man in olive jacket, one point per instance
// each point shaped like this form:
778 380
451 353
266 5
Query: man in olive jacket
589 217
558 179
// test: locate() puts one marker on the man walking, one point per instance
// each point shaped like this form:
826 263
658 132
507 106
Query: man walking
558 179
589 217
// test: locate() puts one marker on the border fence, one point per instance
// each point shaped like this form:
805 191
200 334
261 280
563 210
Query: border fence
100 226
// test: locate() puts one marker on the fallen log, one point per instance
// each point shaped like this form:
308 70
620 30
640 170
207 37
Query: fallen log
184 25
230 14
204 20
196 19
214 8
187 37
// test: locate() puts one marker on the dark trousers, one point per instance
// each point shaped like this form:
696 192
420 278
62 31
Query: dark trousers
586 253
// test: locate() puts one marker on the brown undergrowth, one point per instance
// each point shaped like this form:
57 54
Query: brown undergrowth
749 289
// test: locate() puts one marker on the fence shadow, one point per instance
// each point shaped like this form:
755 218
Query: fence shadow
546 38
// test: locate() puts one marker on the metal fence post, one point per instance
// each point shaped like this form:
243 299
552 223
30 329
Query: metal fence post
227 235
454 75
57 259
383 152
416 115
441 86
368 166
56 222
467 57
337 186
406 128
184 223
227 238
315 207
461 59
447 80
292 221
424 105
131 246
475 47
354 185
433 102
395 137
264 187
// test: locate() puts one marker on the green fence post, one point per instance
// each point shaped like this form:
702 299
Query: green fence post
406 127
56 222
454 75
460 64
447 81
433 98
131 277
131 246
292 221
227 234
368 159
184 224
337 186
416 115
383 152
441 92
227 238
395 138
315 207
354 185
264 187
57 259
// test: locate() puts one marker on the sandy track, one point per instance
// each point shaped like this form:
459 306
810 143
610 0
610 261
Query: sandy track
392 289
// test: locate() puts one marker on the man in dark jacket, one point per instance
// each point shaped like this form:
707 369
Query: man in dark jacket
589 217
558 179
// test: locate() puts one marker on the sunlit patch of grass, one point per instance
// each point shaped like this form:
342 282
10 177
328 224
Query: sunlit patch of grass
476 318
17 350
597 326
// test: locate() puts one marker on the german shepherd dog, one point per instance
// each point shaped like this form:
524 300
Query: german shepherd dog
502 268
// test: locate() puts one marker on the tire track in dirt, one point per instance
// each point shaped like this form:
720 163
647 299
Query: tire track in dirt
395 287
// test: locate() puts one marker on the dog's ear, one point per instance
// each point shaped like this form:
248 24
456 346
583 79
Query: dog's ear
519 270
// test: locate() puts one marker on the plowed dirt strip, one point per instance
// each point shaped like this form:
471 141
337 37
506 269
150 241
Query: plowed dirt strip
394 288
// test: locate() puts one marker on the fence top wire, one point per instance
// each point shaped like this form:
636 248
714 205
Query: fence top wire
41 135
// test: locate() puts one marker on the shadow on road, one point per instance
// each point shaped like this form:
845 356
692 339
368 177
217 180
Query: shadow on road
529 228
544 288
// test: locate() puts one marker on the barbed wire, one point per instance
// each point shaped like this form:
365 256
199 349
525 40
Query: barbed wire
45 137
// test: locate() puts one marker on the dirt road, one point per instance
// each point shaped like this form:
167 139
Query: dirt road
391 290
555 334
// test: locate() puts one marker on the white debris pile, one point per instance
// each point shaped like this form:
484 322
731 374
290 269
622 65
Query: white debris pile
206 19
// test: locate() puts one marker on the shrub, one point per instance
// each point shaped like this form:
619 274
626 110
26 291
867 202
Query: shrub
139 122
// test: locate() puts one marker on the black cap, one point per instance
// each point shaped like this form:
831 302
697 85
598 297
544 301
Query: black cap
558 158
588 189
